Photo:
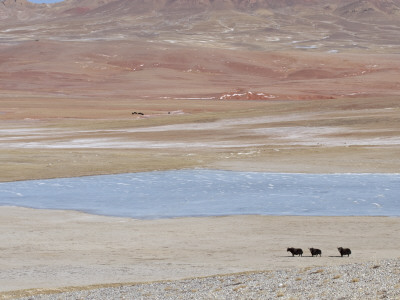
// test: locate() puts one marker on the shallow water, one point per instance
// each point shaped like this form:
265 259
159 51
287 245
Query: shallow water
183 193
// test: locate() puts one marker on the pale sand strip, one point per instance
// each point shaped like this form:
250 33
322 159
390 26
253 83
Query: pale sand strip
47 249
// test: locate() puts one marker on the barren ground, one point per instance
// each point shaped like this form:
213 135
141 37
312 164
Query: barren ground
53 251
311 92
48 137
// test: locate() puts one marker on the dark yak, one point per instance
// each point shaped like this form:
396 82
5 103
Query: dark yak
295 251
315 252
344 251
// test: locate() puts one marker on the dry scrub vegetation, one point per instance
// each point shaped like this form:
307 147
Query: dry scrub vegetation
42 139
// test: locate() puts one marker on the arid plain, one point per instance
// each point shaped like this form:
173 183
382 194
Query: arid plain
113 87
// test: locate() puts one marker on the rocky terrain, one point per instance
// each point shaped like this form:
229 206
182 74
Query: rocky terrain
375 280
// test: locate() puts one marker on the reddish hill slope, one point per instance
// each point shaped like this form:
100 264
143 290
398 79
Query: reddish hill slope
286 49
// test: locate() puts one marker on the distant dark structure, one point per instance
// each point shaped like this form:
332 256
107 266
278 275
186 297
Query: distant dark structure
315 252
295 251
138 113
344 251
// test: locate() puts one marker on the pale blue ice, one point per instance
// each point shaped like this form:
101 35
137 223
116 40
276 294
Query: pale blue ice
184 193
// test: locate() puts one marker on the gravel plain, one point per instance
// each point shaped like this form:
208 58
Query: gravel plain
371 280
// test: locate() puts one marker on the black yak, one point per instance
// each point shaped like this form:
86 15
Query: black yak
295 251
344 251
315 252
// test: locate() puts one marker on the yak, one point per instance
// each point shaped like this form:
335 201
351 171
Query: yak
344 251
315 252
295 251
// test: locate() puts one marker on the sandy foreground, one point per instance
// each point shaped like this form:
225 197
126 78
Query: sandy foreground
44 249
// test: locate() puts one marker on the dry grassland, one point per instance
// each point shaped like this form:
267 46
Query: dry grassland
47 138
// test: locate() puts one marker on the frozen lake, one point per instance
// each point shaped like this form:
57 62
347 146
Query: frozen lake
183 193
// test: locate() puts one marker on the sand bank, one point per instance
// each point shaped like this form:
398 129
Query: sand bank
48 249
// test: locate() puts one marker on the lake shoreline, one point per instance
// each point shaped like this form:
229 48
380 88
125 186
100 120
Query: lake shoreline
204 192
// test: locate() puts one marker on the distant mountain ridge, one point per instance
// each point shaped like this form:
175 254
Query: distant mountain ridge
252 49
250 24
79 7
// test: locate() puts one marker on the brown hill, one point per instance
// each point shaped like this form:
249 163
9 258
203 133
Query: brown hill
73 73
344 7
288 49
375 10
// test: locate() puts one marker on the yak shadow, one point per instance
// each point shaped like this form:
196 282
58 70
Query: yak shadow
338 256
299 256
313 256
